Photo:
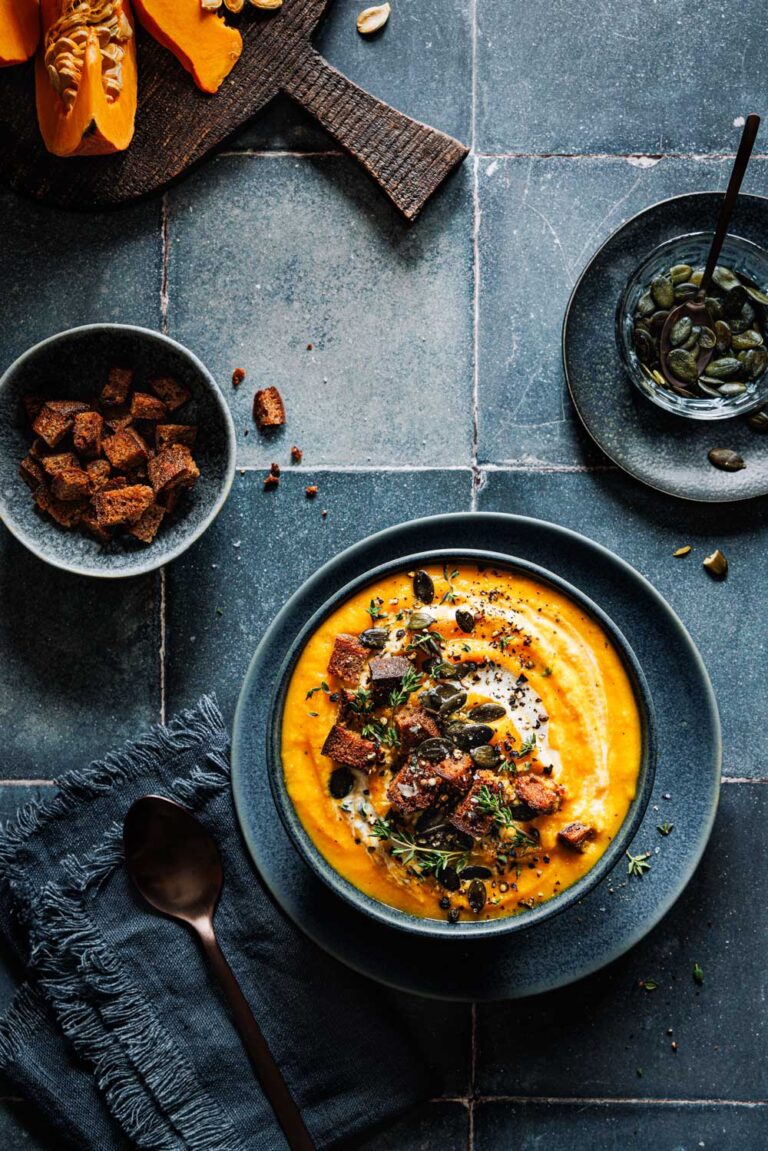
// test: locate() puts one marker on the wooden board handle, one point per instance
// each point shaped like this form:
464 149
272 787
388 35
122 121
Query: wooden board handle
408 159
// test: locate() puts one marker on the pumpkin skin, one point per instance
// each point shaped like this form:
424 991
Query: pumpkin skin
19 30
93 125
199 39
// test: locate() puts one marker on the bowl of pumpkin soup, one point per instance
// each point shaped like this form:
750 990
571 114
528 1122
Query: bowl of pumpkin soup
461 744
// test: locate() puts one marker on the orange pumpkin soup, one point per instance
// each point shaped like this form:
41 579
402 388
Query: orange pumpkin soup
461 742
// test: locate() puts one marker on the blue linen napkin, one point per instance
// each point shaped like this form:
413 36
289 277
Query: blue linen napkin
120 1035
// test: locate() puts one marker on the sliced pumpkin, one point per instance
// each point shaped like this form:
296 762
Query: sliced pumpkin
19 30
198 38
85 76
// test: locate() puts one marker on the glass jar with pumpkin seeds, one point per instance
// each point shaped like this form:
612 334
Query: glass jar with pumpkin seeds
716 370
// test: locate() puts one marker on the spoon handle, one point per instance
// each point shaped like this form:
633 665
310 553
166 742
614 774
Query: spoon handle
746 144
270 1077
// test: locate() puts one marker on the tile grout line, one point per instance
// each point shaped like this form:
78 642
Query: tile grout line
621 1100
165 249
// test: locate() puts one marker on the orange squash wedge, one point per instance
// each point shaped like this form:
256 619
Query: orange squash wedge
19 30
199 39
85 77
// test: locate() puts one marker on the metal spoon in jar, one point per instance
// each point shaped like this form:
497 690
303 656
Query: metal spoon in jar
176 866
694 308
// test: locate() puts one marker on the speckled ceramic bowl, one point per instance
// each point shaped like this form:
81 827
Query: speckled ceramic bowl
741 256
73 365
436 928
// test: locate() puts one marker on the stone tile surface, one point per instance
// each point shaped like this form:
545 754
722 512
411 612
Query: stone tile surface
79 670
541 219
644 528
62 269
608 1037
268 255
432 1127
618 1126
563 77
421 64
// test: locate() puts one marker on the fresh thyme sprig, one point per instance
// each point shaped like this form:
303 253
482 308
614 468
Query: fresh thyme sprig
638 864
321 687
429 860
490 804
526 747
361 703
410 681
374 609
383 732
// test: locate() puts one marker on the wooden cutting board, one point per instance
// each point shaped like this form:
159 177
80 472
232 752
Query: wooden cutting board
177 124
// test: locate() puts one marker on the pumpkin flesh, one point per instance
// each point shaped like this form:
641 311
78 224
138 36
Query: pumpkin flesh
88 107
19 30
199 39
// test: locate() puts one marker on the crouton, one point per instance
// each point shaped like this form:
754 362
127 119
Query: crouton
52 465
38 448
348 658
68 408
387 674
118 419
52 425
268 408
70 484
125 450
349 748
122 505
32 405
167 434
114 483
171 392
468 816
98 472
543 798
415 787
169 499
455 770
172 467
576 835
67 513
414 726
117 387
86 434
90 522
146 407
31 472
146 527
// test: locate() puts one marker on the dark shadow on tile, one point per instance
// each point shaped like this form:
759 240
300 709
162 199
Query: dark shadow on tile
443 1032
431 1127
725 619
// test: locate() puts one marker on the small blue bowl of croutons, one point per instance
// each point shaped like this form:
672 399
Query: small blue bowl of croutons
117 450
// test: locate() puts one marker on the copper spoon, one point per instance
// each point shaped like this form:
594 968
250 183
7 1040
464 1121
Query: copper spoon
176 866
694 308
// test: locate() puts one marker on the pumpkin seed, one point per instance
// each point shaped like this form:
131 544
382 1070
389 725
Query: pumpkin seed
680 272
683 551
696 276
646 305
693 340
680 331
756 295
465 619
471 735
726 459
375 637
448 878
660 380
720 369
487 712
434 750
707 338
420 620
722 336
758 421
371 19
732 389
662 291
734 301
725 278
709 387
716 564
443 698
755 362
341 782
743 341
685 292
440 669
657 321
714 307
644 345
475 871
423 586
485 756
477 895
683 365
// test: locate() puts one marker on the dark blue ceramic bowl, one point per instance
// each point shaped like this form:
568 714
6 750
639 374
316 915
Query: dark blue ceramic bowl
434 927
73 365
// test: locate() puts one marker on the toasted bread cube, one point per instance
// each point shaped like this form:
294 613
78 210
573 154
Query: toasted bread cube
468 817
146 407
576 835
59 463
90 522
170 498
268 408
387 673
31 472
51 425
541 797
348 658
66 513
32 405
171 468
118 419
122 505
70 484
414 726
117 387
38 448
415 787
86 434
146 528
167 434
455 770
67 407
125 450
349 748
114 483
171 392
98 473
